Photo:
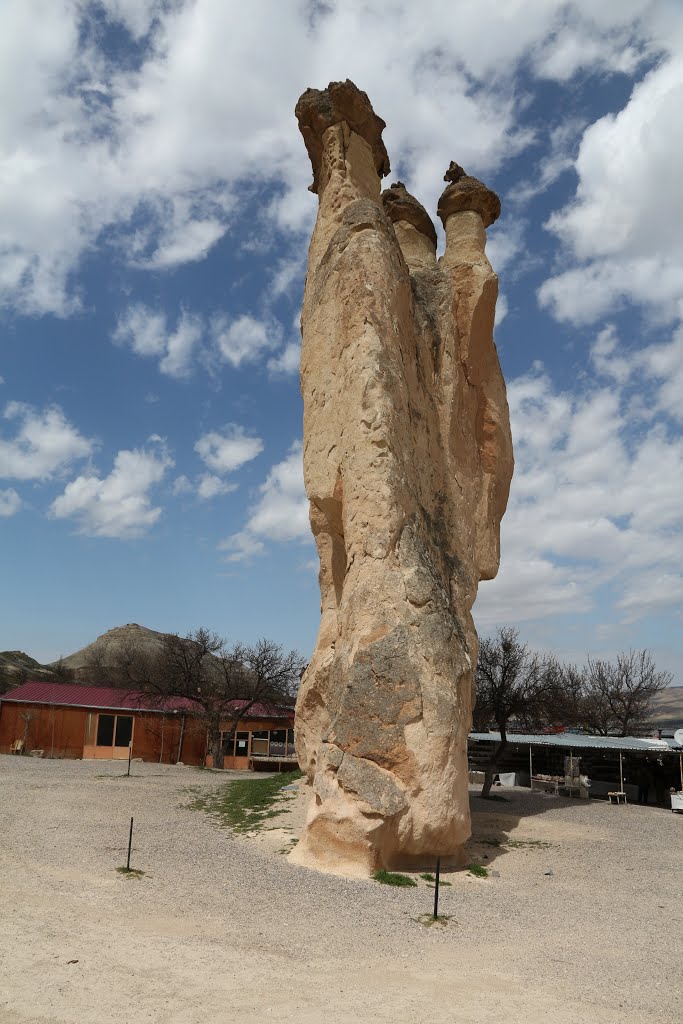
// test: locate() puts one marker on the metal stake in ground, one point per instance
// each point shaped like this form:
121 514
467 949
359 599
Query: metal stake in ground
130 844
130 754
436 888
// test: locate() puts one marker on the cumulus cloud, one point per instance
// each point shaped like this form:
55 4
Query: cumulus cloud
45 443
593 502
280 514
210 486
152 157
10 503
222 452
145 331
118 505
244 339
226 451
287 361
622 227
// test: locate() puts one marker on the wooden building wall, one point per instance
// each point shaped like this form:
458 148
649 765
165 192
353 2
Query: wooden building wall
62 732
59 732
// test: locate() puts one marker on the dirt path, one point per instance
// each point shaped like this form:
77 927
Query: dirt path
224 928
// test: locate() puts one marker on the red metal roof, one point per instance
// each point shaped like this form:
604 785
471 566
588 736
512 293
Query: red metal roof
73 696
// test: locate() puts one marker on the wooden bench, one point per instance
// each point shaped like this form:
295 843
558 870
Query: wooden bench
617 797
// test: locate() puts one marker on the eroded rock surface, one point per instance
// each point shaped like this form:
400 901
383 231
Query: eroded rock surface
407 463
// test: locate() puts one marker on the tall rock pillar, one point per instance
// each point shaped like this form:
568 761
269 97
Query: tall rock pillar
407 465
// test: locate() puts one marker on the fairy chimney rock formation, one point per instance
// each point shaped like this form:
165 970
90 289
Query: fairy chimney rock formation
407 464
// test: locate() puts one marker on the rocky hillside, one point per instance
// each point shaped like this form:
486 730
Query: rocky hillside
16 667
668 713
105 648
88 665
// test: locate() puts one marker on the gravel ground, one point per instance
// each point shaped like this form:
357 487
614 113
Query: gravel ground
224 927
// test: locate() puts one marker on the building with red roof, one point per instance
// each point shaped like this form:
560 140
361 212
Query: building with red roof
72 721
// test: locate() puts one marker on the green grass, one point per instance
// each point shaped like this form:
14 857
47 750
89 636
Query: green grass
477 870
130 872
431 880
428 920
516 844
246 804
392 878
492 841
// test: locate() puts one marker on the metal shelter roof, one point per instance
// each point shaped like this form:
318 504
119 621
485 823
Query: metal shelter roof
578 741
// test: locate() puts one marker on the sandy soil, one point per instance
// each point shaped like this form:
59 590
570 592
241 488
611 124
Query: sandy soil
224 928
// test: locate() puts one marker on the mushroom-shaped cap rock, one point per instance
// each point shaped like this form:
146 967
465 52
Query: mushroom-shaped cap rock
400 205
319 109
466 193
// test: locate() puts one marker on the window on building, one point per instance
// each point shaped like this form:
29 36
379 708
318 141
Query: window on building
242 744
290 741
278 742
259 742
105 730
124 730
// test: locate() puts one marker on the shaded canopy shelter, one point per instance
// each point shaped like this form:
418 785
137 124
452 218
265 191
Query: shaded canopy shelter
574 743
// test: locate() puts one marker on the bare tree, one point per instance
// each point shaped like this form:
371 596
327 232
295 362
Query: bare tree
223 684
513 684
62 673
122 663
617 696
27 717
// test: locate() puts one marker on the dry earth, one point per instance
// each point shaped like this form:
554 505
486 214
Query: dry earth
224 928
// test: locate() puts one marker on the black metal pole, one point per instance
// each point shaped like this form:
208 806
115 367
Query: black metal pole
130 843
436 888
130 754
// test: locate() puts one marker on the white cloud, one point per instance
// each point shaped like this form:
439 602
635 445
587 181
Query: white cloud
210 486
651 592
660 364
501 310
182 485
280 514
241 546
135 15
146 333
287 361
593 502
152 157
10 503
44 445
118 505
227 451
622 228
245 339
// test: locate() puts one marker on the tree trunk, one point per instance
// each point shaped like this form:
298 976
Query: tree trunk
216 749
491 767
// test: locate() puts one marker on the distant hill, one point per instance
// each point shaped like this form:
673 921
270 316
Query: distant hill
103 650
668 713
16 667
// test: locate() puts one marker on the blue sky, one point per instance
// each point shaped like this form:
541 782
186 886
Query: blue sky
154 221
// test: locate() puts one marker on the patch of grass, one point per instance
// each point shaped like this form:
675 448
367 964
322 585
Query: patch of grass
491 841
244 805
428 920
130 872
522 843
477 870
392 878
428 876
